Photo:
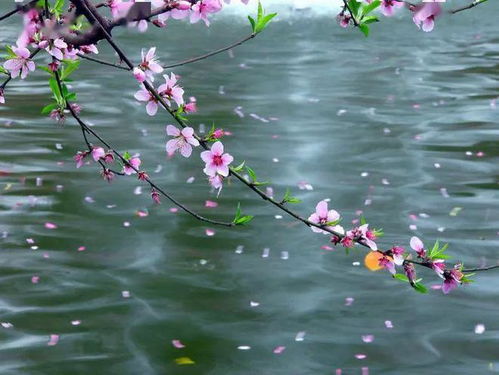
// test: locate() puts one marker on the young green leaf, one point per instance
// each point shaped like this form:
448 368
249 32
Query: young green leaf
365 29
420 288
253 24
251 173
239 167
368 8
49 108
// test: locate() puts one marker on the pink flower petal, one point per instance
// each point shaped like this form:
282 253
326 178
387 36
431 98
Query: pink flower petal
49 225
54 339
279 349
177 344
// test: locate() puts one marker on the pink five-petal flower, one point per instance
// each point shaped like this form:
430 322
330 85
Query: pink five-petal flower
55 48
119 8
217 182
438 265
79 158
21 64
98 153
322 216
418 247
183 141
452 278
216 161
388 264
139 74
425 14
145 96
171 91
149 64
397 253
202 8
368 236
388 6
133 162
343 19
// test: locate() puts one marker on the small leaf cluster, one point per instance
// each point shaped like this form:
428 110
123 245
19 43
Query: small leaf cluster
262 19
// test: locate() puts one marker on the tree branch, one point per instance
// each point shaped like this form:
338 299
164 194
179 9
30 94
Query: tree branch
86 128
469 6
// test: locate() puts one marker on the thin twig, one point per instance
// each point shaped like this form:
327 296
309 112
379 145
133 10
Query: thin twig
351 13
102 61
469 6
205 56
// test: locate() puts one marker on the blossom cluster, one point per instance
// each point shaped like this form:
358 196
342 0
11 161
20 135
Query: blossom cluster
325 221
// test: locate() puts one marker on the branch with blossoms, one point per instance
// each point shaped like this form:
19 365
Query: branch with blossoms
66 38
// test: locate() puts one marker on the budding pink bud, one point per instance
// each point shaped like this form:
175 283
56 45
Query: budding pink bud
155 197
53 66
142 176
139 74
218 133
191 107
107 175
183 5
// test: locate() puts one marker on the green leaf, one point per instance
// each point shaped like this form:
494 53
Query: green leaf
243 220
70 67
354 6
49 108
10 52
365 29
264 21
288 198
71 96
55 90
401 277
3 70
253 24
239 167
127 155
420 288
251 173
369 19
260 12
368 8
45 69
363 220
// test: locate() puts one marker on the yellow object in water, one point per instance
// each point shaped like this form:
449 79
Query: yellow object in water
371 261
184 361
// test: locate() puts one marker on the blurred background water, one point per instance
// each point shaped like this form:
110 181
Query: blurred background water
401 126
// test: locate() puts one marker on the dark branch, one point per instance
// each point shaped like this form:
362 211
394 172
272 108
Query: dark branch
469 6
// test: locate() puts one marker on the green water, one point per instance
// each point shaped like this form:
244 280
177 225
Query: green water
388 120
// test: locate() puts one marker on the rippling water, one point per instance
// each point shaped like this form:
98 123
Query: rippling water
381 125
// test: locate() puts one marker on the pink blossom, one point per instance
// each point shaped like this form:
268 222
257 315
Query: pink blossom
418 247
131 165
108 157
155 196
2 97
397 253
364 234
201 9
142 176
388 264
438 265
54 65
347 241
21 64
425 14
119 8
218 133
410 272
79 158
191 107
57 115
183 141
452 278
343 19
143 95
216 182
388 6
149 66
107 175
55 48
98 153
171 91
216 161
323 216
90 48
